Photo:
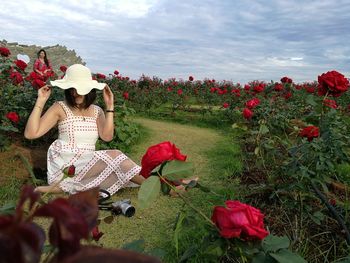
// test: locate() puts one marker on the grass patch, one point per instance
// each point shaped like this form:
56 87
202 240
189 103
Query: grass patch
10 189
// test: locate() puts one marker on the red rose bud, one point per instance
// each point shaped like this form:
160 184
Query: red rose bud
225 105
190 78
116 72
126 95
13 116
69 171
96 234
333 202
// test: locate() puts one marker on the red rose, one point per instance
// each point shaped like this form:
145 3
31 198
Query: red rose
330 103
332 82
288 95
38 83
190 78
4 52
310 132
21 64
126 95
246 87
252 103
278 87
13 116
157 154
16 78
96 234
247 113
179 91
169 89
63 68
212 90
225 105
116 72
286 80
239 220
100 76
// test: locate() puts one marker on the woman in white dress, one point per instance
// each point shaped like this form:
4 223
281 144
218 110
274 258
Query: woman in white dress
80 123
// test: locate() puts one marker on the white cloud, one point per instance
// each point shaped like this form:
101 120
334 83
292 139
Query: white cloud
239 40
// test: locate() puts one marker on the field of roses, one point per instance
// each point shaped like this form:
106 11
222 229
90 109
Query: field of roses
295 144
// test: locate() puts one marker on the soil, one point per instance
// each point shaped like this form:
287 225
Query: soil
12 165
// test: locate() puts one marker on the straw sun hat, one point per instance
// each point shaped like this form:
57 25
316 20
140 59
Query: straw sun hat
79 77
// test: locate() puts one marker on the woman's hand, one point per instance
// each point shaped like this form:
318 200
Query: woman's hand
108 97
44 93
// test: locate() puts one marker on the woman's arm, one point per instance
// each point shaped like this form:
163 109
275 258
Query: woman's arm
38 125
105 123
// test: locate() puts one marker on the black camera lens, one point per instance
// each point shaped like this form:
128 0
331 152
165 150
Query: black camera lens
130 211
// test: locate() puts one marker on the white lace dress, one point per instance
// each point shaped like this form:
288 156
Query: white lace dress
108 169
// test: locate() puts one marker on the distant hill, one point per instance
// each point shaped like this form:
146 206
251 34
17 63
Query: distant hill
58 55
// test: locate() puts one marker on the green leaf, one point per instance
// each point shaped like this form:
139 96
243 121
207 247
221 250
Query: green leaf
165 188
178 226
175 170
259 258
286 256
310 100
8 208
273 243
136 245
263 129
256 150
148 192
191 251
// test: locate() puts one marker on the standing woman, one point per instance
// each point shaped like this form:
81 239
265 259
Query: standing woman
42 65
80 123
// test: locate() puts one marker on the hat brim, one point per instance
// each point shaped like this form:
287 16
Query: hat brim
82 87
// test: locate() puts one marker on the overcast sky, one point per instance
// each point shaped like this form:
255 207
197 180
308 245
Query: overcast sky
238 40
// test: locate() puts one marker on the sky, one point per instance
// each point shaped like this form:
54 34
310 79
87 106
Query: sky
234 40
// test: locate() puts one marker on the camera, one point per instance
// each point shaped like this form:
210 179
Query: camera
123 207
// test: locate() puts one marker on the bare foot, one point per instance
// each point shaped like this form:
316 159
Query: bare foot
189 180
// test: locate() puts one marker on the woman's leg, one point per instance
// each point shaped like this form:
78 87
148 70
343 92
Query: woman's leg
54 189
138 179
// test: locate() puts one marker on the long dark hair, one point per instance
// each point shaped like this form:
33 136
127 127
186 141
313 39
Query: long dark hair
45 58
88 99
